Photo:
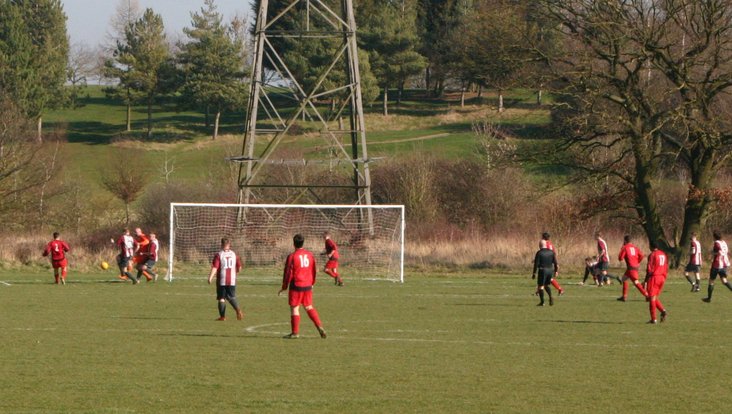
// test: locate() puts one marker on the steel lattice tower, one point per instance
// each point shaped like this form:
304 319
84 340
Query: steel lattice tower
278 100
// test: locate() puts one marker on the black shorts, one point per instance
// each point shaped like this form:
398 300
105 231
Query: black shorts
544 277
122 261
713 273
602 266
225 292
692 268
150 264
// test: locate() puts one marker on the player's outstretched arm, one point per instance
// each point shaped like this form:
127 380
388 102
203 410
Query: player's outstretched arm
212 274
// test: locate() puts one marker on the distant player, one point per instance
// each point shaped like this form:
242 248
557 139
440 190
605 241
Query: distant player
695 262
331 254
545 263
720 263
142 246
546 236
126 246
656 272
152 257
299 278
632 256
225 266
57 248
603 258
591 269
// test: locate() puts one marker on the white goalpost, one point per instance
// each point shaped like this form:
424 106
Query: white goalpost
370 239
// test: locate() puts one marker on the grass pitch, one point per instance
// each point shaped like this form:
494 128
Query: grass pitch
438 343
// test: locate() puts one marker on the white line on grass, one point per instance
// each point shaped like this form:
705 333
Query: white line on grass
5 283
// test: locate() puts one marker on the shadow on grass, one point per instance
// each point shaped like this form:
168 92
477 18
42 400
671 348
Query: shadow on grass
584 322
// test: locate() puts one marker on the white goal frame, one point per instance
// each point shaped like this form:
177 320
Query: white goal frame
172 234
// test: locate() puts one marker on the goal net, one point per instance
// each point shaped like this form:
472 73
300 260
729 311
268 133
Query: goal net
370 239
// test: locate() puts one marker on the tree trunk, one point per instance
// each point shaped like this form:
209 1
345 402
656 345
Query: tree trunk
462 97
480 92
40 129
698 200
216 125
386 101
149 118
207 116
427 80
500 101
127 214
539 96
400 92
129 117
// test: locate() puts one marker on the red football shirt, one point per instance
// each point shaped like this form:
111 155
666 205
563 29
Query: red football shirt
631 254
57 249
657 264
330 247
299 270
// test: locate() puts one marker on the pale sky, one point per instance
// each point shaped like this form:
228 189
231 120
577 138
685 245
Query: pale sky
88 20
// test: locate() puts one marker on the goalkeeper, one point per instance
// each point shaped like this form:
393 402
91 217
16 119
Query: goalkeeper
331 254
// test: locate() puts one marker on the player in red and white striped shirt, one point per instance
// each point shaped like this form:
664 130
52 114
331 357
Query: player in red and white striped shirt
720 263
603 257
57 249
656 272
546 236
126 246
225 266
695 262
632 256
299 278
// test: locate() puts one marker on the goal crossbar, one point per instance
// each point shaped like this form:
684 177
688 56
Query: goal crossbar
371 245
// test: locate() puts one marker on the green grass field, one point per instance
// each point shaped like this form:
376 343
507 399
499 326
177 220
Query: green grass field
438 343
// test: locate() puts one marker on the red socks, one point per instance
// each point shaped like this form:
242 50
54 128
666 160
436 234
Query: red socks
652 307
654 304
332 273
556 285
641 289
295 323
625 288
313 315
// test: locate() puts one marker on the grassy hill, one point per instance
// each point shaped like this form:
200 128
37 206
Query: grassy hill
96 133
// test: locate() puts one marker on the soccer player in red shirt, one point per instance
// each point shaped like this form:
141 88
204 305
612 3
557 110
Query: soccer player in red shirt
57 248
656 272
142 247
720 263
126 246
546 236
331 253
225 266
603 258
695 262
632 256
299 278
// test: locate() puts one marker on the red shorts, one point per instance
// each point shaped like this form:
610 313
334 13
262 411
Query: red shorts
298 298
331 264
655 285
631 274
138 259
59 264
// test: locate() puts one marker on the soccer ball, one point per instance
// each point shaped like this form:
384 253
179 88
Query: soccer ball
104 265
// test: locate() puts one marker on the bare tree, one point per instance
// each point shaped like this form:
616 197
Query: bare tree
645 92
125 179
126 13
81 66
